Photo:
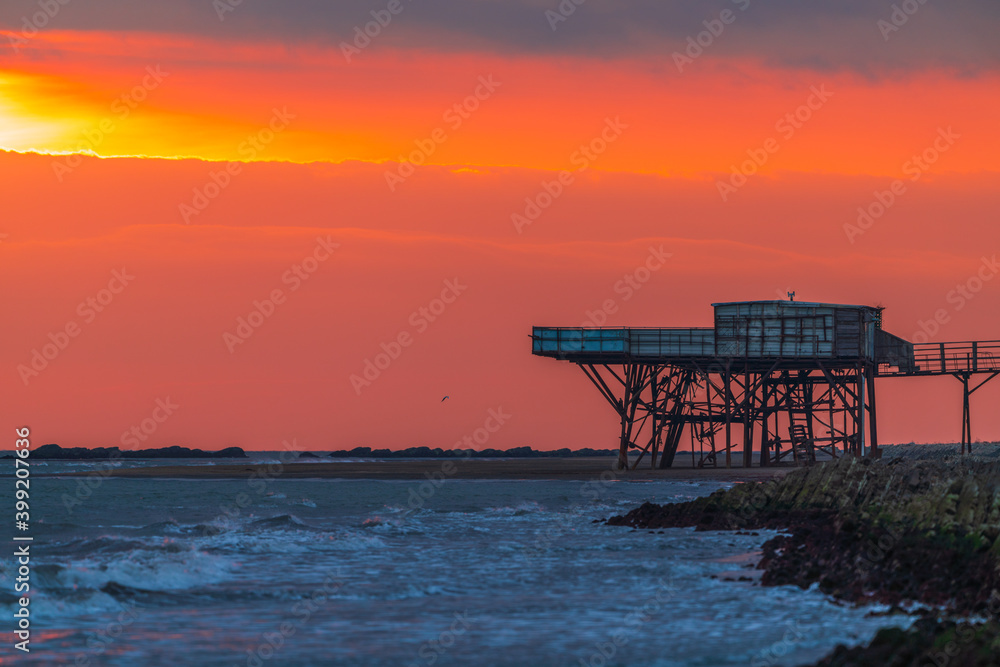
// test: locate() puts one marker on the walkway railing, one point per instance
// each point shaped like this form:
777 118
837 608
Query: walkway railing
954 357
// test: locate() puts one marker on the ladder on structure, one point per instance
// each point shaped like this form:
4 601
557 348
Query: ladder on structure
803 449
705 433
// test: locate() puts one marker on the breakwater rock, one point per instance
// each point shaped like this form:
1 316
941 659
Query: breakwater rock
864 530
55 452
927 643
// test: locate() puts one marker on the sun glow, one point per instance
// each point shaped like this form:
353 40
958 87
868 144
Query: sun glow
21 129
120 94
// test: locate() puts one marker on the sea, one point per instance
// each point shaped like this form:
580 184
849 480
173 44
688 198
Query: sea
413 573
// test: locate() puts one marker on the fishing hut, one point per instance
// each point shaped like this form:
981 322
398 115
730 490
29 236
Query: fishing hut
792 380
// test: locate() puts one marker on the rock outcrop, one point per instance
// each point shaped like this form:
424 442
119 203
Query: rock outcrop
897 532
866 531
55 452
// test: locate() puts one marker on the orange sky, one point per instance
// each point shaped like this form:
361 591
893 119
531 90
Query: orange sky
542 110
204 244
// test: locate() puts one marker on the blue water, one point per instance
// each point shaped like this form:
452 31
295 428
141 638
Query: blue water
151 572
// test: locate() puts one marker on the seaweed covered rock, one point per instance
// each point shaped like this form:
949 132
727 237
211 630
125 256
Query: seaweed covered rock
930 496
862 562
864 530
928 642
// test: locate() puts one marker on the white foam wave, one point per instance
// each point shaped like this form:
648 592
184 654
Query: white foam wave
149 570
526 507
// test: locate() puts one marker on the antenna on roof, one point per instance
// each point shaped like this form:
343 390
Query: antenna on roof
791 296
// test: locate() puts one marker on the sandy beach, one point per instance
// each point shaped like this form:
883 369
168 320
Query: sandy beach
535 468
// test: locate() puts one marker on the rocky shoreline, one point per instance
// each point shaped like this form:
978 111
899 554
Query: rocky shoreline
916 534
57 453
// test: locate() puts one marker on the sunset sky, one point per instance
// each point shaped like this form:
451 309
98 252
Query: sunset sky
463 170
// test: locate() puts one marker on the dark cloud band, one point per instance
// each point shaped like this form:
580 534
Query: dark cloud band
867 35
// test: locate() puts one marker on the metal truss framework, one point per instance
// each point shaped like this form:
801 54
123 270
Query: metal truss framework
794 399
786 414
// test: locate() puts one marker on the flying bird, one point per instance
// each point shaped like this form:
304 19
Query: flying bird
445 399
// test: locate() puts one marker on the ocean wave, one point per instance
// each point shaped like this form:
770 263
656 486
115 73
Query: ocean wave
521 509
398 525
103 544
356 542
170 526
145 596
42 528
72 604
114 597
288 543
115 570
192 597
280 522
147 568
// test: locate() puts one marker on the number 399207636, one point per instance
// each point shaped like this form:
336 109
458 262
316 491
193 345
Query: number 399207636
21 485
